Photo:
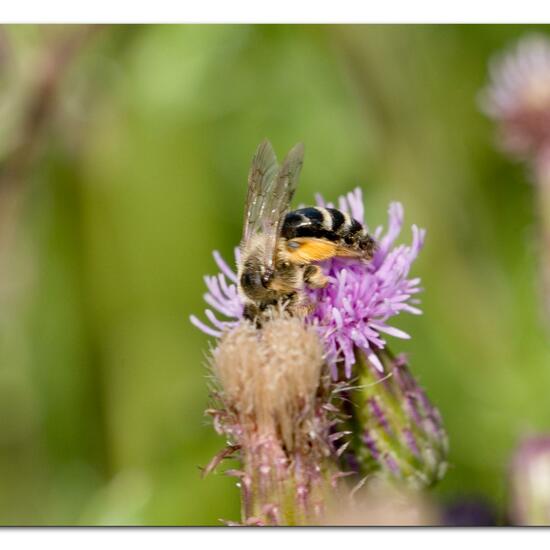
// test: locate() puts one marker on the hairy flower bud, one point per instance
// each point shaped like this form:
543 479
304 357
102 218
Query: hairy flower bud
397 431
272 394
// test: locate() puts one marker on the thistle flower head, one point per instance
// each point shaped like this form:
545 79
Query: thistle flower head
518 96
355 308
282 390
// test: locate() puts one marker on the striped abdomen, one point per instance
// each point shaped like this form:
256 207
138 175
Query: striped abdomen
328 223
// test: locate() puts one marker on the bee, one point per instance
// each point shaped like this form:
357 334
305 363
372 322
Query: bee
280 248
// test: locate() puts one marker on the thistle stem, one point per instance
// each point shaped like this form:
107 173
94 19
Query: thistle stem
542 175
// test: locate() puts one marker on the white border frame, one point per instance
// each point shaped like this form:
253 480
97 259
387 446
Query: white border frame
276 11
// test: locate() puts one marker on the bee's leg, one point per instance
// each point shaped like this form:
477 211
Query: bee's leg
314 276
297 304
252 312
302 307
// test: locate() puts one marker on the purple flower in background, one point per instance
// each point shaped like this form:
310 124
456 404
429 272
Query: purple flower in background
518 96
353 311
518 100
530 482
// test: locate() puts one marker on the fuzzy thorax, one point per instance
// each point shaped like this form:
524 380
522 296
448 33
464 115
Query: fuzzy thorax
260 286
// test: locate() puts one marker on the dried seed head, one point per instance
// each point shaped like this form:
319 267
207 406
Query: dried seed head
273 389
270 377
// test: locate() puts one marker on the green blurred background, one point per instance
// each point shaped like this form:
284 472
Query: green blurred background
134 169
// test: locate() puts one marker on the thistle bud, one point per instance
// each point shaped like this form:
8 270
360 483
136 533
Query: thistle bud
530 483
397 431
272 396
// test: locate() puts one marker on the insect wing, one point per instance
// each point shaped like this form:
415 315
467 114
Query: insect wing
261 180
278 200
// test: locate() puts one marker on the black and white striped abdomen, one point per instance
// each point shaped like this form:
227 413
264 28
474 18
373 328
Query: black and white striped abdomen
327 223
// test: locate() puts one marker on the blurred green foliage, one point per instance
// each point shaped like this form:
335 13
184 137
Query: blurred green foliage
140 173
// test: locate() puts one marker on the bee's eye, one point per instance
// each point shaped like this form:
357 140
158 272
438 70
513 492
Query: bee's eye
293 244
249 280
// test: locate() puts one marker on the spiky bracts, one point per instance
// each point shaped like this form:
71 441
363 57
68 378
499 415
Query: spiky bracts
395 430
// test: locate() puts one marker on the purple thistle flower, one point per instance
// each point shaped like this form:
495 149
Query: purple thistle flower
353 311
290 414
